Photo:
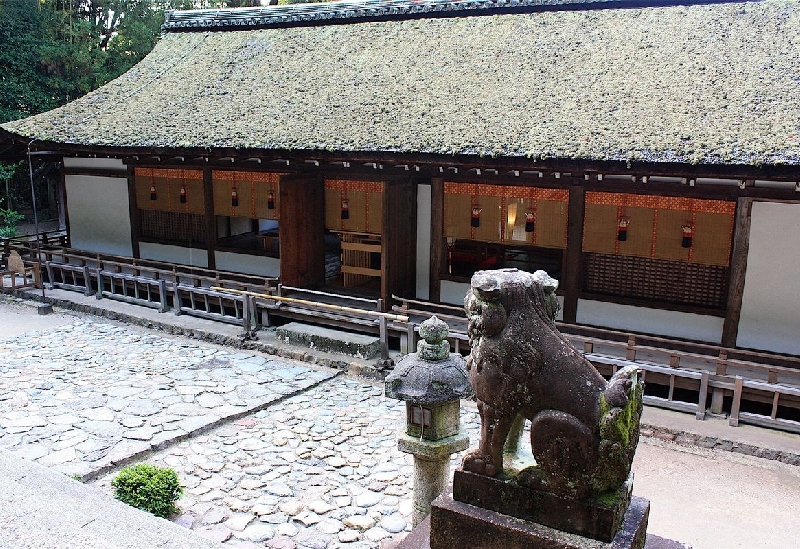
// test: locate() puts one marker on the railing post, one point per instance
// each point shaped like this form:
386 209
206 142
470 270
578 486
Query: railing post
384 334
630 350
37 275
162 294
49 266
737 402
87 281
177 301
718 394
701 401
254 312
246 315
407 343
100 287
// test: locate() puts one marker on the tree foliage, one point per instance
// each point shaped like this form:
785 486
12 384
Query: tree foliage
53 51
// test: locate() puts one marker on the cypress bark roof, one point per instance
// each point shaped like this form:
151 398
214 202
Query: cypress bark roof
700 84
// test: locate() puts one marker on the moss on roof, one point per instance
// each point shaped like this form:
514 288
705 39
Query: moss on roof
700 84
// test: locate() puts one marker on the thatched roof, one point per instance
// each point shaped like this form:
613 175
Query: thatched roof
701 84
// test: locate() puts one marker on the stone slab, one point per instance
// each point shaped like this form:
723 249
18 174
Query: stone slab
44 509
590 518
420 538
455 524
329 340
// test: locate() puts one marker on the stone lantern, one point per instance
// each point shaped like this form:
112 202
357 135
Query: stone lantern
432 383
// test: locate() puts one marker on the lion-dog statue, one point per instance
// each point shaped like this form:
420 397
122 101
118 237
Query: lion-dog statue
584 430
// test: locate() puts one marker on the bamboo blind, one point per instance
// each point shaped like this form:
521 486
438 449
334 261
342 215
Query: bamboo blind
502 216
253 190
365 201
168 184
655 228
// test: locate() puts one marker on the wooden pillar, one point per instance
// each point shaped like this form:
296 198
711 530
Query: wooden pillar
63 214
572 272
437 239
133 213
738 270
211 220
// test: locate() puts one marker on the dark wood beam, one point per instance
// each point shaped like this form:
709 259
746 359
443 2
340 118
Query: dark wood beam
133 208
437 239
63 213
97 172
738 270
573 272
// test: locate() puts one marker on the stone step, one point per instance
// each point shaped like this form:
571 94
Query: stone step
330 340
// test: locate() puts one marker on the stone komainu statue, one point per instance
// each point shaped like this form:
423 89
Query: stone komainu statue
584 430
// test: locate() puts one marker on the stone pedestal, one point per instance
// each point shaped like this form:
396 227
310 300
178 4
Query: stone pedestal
431 468
455 525
596 518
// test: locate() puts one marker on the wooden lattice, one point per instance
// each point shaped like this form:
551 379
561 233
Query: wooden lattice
173 227
656 279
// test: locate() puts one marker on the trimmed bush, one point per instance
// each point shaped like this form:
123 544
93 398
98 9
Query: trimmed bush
150 488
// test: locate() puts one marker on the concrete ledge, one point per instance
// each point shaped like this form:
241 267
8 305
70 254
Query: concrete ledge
44 509
327 339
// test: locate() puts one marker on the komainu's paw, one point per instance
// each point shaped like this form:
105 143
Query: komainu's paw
479 464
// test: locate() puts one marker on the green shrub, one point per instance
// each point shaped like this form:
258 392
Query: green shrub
150 488
8 222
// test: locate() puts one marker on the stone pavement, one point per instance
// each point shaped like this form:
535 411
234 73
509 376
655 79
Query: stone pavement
311 460
88 396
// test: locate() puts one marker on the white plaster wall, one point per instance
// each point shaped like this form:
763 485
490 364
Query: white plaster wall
248 264
99 218
770 318
423 241
95 163
650 321
195 257
453 293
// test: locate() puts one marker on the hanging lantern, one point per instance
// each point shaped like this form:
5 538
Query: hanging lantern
345 209
271 201
622 228
688 235
234 198
153 195
475 219
183 194
529 222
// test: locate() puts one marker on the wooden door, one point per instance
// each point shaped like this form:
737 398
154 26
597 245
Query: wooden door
399 240
301 231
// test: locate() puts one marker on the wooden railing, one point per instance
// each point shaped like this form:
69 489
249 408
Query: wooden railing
139 290
56 238
688 369
77 278
11 280
419 311
686 374
216 305
155 284
347 311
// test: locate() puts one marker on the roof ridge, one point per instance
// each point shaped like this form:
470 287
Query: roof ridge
351 11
